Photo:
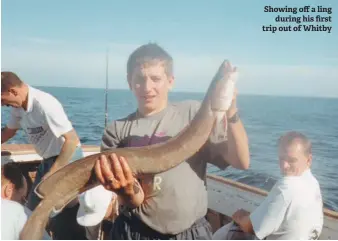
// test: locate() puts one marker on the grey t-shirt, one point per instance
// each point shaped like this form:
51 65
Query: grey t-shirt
174 199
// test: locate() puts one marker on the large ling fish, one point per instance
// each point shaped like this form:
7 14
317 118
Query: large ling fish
65 184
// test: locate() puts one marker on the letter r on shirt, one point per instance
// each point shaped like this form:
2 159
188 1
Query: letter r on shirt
157 182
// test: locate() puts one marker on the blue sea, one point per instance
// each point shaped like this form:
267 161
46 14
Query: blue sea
265 119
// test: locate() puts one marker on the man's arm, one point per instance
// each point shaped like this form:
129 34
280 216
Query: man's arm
61 126
7 133
134 199
12 126
266 218
238 154
67 151
235 150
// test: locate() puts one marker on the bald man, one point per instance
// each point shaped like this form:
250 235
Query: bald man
294 208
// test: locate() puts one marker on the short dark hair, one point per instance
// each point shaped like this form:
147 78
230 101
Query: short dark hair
289 137
149 53
9 80
12 172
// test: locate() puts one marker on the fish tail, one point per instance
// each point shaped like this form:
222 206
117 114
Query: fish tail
37 222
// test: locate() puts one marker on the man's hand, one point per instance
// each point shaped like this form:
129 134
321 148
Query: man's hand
239 214
115 175
242 218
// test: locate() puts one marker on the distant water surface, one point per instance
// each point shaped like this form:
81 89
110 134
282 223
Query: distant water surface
265 119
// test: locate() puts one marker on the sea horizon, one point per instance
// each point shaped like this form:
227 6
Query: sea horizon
193 92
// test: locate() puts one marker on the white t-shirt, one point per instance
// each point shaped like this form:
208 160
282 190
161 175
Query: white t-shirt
292 210
44 122
13 219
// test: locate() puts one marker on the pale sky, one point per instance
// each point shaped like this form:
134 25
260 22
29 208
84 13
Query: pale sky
63 43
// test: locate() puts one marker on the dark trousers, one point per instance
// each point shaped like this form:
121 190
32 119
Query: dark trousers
65 227
43 168
130 227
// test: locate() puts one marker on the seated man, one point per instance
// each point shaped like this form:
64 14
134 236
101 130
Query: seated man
96 205
294 207
13 195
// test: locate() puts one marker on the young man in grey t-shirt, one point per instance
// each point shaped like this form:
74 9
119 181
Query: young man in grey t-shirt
169 205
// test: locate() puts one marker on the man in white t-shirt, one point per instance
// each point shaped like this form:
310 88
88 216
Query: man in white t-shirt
46 125
294 208
96 204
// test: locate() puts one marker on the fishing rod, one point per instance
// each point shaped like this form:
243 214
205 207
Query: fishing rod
106 92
